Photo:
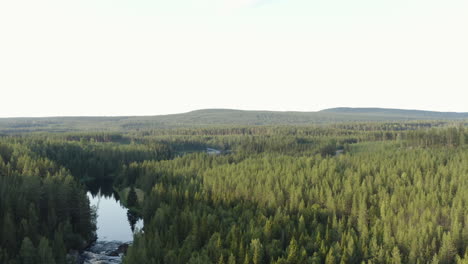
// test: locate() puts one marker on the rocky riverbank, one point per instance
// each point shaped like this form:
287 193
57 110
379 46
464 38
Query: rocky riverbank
104 252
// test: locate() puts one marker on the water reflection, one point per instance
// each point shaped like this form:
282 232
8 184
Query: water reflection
114 221
102 187
132 219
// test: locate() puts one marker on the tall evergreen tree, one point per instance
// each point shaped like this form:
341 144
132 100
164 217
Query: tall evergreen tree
27 252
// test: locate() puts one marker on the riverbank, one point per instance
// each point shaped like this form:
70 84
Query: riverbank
104 252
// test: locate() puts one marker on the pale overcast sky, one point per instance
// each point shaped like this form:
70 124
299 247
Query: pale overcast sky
149 57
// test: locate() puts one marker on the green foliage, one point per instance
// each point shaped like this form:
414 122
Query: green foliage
342 193
44 251
39 201
27 252
380 203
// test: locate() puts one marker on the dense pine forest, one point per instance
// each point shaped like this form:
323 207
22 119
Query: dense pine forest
354 192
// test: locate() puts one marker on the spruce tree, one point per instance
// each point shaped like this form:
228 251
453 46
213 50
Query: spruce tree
45 254
28 252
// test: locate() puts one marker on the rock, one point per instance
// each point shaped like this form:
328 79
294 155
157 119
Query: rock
93 258
73 257
105 247
121 250
105 252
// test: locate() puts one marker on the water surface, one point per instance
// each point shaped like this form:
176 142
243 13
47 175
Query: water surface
114 221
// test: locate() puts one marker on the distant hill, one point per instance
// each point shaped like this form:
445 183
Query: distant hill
396 113
216 117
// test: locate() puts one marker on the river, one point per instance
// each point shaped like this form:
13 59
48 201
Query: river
115 226
114 221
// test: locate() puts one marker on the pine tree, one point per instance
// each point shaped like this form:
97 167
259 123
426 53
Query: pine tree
221 260
8 237
462 137
45 254
330 258
362 219
232 259
301 225
257 254
396 257
293 252
27 252
247 258
447 250
59 248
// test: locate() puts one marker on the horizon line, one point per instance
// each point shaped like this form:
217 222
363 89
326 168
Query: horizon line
231 109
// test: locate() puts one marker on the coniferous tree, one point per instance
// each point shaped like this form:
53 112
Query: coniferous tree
293 252
447 250
27 252
59 248
396 257
44 252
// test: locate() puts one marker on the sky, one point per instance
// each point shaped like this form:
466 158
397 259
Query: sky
152 57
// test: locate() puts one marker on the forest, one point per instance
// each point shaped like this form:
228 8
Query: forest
346 192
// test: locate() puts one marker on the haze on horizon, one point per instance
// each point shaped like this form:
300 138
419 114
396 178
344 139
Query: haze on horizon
142 57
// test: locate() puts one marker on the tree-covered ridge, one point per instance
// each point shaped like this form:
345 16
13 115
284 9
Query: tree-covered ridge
221 117
397 113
